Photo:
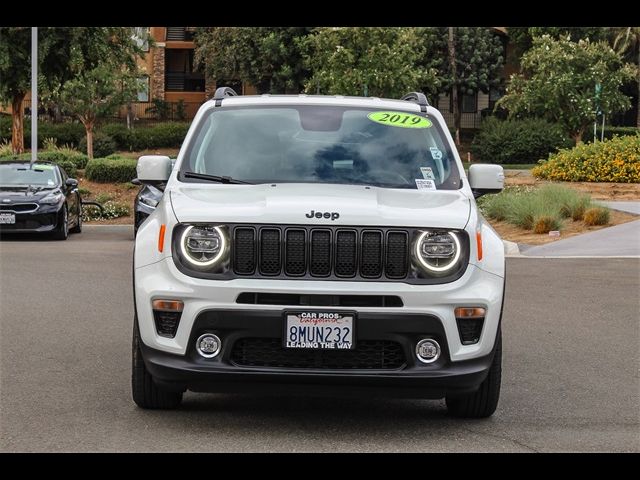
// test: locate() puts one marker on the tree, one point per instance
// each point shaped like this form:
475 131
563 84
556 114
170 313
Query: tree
559 83
62 53
379 61
269 58
95 93
522 37
626 41
471 61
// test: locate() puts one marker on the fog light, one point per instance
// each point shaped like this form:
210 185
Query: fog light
208 345
427 350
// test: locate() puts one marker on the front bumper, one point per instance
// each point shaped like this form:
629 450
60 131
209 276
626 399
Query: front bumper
226 373
45 219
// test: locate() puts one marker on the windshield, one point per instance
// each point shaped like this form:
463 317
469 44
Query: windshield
332 144
40 175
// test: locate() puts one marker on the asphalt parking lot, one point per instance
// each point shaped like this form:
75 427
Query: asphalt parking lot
570 370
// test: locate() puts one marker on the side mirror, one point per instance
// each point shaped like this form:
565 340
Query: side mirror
153 169
485 179
71 183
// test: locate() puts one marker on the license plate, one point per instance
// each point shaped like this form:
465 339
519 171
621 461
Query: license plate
319 330
7 218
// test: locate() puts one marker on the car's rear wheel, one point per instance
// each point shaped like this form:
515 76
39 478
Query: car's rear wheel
483 403
146 393
62 230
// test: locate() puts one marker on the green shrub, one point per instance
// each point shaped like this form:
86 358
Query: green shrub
609 133
109 210
164 135
103 197
615 160
5 148
67 133
111 170
571 203
103 145
517 141
597 216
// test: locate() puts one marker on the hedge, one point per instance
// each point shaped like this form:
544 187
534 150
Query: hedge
103 145
67 133
615 160
68 165
77 159
517 141
609 132
162 135
111 170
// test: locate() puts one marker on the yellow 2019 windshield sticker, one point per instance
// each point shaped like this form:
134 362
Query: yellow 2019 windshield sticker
400 119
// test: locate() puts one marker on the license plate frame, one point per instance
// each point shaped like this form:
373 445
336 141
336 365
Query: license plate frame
323 318
11 217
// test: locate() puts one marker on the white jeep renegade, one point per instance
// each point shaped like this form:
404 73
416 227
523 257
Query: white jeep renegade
318 245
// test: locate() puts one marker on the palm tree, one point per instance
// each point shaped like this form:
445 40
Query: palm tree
626 41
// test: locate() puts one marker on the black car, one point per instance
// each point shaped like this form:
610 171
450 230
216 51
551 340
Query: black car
39 198
145 203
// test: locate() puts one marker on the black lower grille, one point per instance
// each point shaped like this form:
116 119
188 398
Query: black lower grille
470 330
166 323
258 298
269 352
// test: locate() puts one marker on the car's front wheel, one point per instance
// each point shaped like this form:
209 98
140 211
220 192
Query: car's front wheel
146 393
483 403
78 227
62 230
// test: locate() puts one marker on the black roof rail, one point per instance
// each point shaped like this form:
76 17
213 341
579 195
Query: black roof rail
222 92
419 98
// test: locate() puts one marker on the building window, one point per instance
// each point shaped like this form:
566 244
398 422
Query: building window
141 37
143 88
469 103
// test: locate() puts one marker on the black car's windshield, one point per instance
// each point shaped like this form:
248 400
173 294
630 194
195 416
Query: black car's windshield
22 174
327 144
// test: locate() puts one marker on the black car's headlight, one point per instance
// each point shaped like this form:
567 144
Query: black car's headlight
203 247
52 199
437 252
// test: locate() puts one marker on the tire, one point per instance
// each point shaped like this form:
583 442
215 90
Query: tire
62 230
483 403
78 227
146 394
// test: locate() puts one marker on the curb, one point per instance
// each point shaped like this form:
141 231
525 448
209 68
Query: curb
511 249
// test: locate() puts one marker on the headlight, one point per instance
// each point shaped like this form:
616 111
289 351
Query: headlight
148 200
52 199
204 247
437 252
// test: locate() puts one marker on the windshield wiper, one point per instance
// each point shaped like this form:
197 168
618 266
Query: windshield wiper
213 178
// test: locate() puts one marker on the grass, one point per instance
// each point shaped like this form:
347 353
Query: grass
542 209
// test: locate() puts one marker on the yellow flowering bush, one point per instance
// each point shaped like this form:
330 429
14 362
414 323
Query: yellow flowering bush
615 160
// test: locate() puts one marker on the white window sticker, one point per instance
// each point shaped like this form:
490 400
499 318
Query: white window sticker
427 173
425 184
436 153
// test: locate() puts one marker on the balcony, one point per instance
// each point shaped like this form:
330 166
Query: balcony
184 82
180 34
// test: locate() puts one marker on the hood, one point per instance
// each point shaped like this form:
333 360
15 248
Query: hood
293 203
24 193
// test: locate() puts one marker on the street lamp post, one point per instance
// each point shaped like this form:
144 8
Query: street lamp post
34 94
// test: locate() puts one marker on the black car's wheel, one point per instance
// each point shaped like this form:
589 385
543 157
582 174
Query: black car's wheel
482 403
78 227
62 230
146 393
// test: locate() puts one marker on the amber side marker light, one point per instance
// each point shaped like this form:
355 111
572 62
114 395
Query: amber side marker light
470 312
168 305
479 244
163 228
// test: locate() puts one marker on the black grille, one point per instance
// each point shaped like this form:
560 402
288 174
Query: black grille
397 249
295 260
19 207
470 329
258 298
244 250
321 252
371 255
346 253
269 352
166 323
269 251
